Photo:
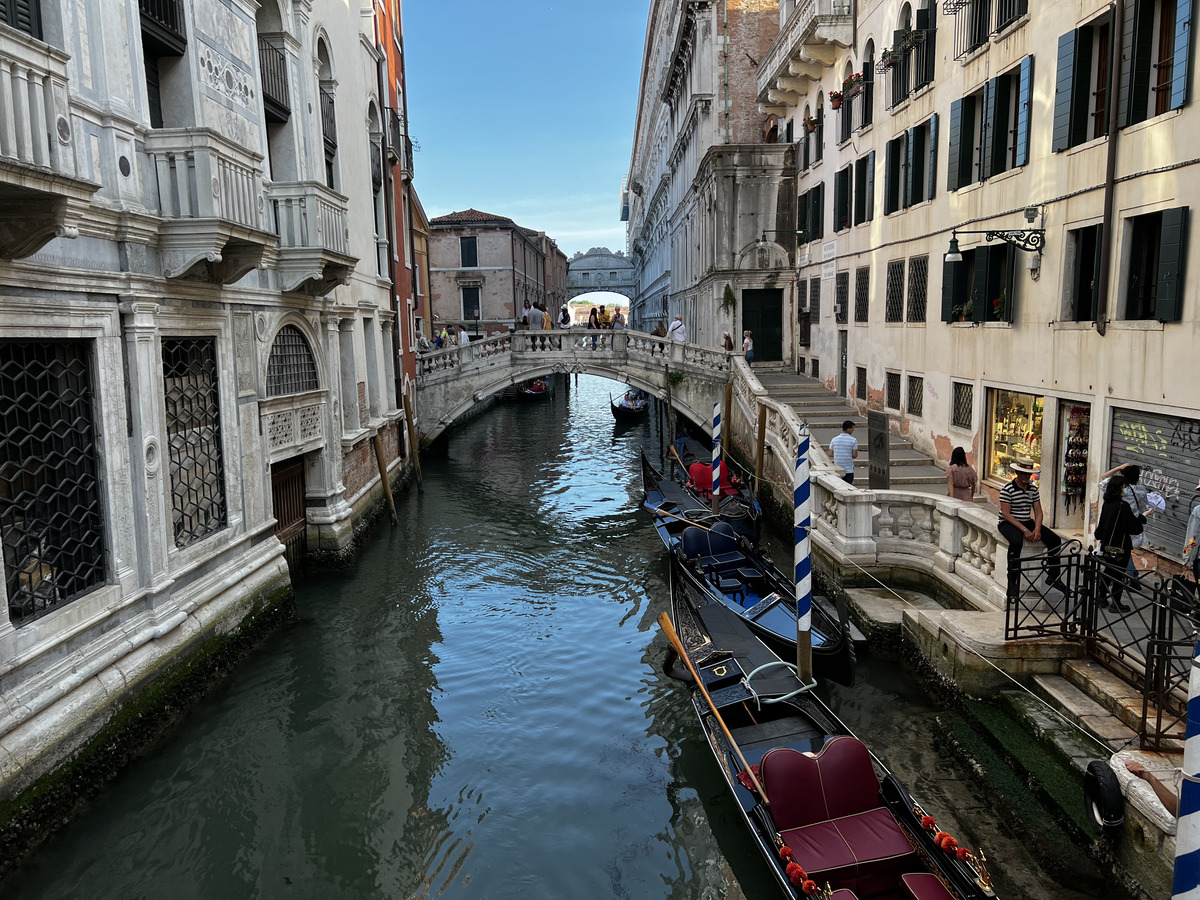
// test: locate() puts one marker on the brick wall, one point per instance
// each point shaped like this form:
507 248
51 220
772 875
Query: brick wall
753 26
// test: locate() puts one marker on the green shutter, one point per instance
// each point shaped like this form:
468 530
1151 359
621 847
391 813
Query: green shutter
1081 89
1181 61
802 216
991 128
1099 304
1172 255
931 175
1024 110
979 287
870 185
949 273
955 149
816 214
908 170
1063 84
891 177
1137 50
966 158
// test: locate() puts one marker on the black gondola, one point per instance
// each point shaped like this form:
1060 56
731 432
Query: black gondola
640 408
538 389
836 823
739 507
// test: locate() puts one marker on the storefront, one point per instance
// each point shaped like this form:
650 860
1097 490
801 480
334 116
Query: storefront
1014 429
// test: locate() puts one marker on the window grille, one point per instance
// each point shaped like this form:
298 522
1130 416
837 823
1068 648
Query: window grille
892 398
862 293
972 24
290 368
860 383
801 298
816 368
190 386
51 519
814 299
916 396
843 297
803 365
1008 11
894 310
918 283
964 402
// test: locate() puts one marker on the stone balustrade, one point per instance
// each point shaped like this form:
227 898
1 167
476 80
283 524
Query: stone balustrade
35 127
310 215
201 175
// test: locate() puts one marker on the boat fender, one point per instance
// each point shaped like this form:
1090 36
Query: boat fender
1102 799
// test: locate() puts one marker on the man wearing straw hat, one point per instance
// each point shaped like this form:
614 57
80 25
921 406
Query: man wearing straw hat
1021 521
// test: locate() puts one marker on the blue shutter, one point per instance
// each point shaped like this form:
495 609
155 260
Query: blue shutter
990 127
1172 255
1181 62
955 145
1063 84
931 175
1024 110
1137 34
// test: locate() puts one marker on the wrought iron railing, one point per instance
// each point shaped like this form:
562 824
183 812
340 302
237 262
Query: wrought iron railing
273 63
166 13
972 24
1008 11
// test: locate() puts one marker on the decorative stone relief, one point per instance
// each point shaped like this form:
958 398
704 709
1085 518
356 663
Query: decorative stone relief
223 75
281 429
310 422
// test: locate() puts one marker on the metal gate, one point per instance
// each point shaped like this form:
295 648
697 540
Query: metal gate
287 499
1142 629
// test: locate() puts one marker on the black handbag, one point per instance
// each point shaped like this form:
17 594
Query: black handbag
1111 551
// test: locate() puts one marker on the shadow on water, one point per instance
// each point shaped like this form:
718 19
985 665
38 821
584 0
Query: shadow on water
477 710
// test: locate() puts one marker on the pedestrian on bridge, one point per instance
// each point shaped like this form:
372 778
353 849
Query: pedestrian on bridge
660 330
564 317
618 320
748 346
536 319
605 320
593 324
844 448
677 331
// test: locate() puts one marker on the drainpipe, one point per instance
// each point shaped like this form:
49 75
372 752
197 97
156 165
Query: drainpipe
1100 296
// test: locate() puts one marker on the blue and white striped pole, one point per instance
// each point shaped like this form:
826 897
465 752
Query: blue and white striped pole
716 458
1187 834
802 497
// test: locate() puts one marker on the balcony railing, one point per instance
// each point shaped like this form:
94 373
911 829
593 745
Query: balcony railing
314 239
812 21
203 176
272 62
163 23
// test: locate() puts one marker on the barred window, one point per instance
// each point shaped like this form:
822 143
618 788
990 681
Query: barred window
860 383
894 310
814 299
51 518
862 293
918 282
803 365
916 396
190 387
801 298
290 368
816 368
964 402
842 303
892 398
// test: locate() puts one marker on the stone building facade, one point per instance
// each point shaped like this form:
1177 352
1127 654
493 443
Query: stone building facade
601 269
710 204
198 358
482 269
1046 145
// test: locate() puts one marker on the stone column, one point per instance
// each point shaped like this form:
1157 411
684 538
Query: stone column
148 451
387 325
347 376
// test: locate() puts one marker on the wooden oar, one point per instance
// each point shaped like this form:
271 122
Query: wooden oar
663 512
664 622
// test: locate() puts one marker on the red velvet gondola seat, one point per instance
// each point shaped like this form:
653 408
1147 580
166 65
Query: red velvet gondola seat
923 886
826 808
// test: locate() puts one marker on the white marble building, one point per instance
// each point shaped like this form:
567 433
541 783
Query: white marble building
197 351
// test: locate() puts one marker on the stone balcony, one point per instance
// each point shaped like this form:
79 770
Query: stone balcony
806 46
210 197
41 196
314 240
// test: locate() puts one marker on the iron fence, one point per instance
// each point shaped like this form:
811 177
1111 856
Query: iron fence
1142 629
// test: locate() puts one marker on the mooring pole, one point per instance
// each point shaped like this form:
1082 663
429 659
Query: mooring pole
802 523
670 408
1187 835
716 459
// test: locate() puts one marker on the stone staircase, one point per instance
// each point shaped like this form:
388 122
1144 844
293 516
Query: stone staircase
825 412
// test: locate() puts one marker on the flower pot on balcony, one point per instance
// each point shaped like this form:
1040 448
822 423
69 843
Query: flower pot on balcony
835 102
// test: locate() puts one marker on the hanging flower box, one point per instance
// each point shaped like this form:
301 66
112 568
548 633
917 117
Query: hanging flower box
835 99
889 58
810 123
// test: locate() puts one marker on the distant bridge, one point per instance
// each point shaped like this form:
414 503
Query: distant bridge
451 381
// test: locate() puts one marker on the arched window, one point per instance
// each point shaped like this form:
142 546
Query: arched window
867 90
276 91
375 139
291 368
328 113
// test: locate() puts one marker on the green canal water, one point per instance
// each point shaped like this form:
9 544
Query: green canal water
476 711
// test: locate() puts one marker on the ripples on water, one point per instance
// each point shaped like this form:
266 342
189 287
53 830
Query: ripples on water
477 711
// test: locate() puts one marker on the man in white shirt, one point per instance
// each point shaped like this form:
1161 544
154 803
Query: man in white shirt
677 331
844 448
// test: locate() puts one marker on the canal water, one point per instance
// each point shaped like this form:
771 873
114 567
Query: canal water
477 710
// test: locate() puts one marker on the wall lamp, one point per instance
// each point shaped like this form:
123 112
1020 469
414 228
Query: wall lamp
763 239
1030 239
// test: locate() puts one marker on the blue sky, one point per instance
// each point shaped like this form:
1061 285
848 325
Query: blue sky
526 109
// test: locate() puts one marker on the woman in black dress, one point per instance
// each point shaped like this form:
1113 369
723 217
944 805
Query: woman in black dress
1118 523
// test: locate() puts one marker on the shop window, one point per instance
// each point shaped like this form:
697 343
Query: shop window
1156 39
470 303
1014 429
842 182
1081 85
1083 269
916 396
862 293
1157 247
894 298
892 391
842 298
963 411
918 283
860 383
864 188
193 416
469 254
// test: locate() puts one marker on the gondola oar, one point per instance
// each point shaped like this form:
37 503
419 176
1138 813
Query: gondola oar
664 622
662 512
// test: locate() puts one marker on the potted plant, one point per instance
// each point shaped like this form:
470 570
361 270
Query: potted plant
810 122
835 99
888 57
962 310
999 304
852 85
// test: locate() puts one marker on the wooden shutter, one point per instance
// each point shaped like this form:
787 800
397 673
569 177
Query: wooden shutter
930 29
990 127
1137 34
931 175
1063 91
860 190
908 169
816 213
1009 282
1181 60
891 177
898 73
979 287
1081 89
953 274
1172 255
1099 304
839 199
24 15
802 217
1024 110
870 185
955 151
966 158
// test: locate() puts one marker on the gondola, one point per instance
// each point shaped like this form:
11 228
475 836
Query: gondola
636 413
835 823
530 392
739 507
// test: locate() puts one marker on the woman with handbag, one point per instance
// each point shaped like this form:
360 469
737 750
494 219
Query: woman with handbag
1116 528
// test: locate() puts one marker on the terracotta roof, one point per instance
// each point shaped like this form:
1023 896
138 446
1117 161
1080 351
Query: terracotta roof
470 217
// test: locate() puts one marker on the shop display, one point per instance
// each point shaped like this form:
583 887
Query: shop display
1075 460
1015 429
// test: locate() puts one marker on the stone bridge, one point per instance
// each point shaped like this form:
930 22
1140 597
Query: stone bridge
451 381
